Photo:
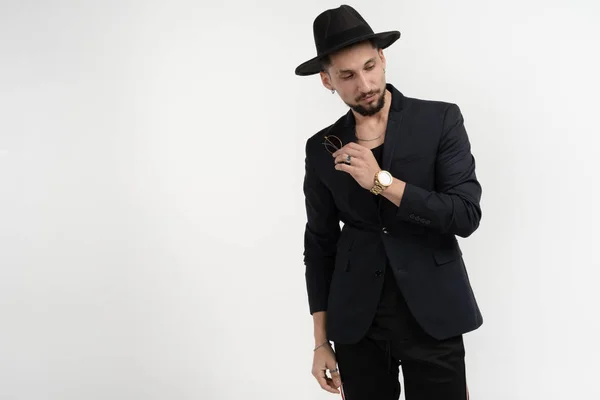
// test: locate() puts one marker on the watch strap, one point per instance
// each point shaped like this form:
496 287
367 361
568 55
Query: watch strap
377 186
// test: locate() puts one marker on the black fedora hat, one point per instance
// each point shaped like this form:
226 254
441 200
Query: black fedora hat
337 28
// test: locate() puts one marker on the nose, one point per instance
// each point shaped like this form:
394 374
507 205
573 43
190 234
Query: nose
363 84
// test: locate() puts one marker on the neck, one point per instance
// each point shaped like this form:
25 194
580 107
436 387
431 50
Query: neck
380 117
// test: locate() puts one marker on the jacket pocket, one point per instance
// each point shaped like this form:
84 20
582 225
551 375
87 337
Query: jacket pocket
447 255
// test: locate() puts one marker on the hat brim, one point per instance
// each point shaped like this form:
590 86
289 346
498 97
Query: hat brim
313 66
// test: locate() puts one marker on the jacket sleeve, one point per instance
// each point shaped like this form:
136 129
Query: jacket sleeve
320 237
454 206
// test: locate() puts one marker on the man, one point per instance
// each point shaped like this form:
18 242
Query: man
389 288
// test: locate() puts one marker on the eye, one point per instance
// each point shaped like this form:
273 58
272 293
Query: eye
370 67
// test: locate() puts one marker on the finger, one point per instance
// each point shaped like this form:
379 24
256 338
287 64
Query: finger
336 378
325 383
343 158
351 169
333 388
356 146
351 149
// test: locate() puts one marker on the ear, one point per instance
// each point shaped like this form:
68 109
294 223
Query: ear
382 58
326 80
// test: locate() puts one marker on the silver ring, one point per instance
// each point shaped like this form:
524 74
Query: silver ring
333 370
348 157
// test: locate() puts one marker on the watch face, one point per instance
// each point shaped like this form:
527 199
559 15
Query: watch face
385 178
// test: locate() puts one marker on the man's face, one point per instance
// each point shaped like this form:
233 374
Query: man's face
357 75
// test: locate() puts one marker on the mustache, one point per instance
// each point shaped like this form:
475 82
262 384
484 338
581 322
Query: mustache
366 95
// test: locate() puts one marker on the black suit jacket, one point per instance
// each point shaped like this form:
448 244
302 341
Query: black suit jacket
427 147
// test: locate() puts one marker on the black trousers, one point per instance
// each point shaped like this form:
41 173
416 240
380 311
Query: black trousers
432 369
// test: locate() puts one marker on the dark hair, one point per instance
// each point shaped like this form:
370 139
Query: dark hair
326 61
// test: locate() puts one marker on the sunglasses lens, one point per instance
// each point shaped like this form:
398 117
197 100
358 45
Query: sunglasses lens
330 147
332 143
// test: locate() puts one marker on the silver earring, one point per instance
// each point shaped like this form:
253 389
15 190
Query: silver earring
332 91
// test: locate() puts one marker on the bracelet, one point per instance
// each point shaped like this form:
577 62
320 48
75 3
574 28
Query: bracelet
321 345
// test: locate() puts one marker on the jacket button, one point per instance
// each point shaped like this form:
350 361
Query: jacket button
385 230
378 272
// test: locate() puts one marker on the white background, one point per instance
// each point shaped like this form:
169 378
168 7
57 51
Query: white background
151 207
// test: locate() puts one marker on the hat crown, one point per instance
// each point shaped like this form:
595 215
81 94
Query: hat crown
336 23
337 28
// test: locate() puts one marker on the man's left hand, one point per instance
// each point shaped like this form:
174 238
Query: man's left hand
363 166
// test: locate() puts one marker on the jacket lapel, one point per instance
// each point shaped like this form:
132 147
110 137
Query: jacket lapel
394 132
346 128
392 137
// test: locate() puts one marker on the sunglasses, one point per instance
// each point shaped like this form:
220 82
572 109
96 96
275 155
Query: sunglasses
332 143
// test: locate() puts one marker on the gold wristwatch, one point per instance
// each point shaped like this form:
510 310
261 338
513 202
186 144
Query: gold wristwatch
383 180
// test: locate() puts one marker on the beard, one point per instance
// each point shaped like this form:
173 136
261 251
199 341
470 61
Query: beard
369 110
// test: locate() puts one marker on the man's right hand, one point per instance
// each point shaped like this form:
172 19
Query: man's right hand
324 360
